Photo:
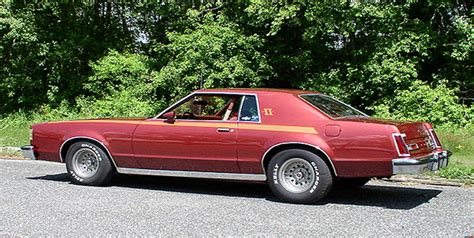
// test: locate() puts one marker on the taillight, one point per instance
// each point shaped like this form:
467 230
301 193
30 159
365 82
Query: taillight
402 147
435 138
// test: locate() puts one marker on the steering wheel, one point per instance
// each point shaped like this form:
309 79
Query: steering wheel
189 115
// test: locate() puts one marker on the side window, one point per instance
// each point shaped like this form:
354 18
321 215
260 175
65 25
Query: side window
249 110
209 107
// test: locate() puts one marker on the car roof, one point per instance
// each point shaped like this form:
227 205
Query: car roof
255 90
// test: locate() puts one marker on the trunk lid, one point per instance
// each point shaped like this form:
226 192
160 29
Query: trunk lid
418 138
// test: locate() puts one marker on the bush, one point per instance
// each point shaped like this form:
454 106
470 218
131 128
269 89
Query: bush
120 86
120 104
120 71
457 172
420 102
212 53
44 114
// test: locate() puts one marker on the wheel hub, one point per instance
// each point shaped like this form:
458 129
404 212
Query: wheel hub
85 162
296 175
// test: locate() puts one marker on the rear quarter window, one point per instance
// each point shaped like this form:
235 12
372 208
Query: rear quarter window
331 106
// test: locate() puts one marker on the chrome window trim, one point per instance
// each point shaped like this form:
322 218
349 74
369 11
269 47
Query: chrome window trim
88 138
212 93
173 105
297 143
258 109
193 174
240 107
334 118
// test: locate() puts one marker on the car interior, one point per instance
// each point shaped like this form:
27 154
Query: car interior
217 107
209 107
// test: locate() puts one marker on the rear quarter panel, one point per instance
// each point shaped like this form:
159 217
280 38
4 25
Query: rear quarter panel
362 149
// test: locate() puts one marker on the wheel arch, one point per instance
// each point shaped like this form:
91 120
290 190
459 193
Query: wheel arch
70 141
272 151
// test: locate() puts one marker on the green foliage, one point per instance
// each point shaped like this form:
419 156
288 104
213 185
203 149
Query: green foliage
119 104
461 143
420 102
117 72
43 114
458 141
100 58
457 172
211 52
120 86
376 48
46 48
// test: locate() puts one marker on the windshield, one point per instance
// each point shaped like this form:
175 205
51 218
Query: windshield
331 106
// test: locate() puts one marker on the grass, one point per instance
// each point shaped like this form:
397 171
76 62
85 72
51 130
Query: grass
17 137
461 164
15 132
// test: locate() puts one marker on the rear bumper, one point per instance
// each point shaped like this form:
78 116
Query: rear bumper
419 165
27 151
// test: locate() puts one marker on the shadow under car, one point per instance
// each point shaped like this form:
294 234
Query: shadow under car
375 195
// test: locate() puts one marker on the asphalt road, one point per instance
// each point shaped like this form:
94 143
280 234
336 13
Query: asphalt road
37 199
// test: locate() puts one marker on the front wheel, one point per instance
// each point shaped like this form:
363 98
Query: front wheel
88 164
299 176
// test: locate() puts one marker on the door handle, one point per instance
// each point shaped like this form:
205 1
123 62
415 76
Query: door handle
224 130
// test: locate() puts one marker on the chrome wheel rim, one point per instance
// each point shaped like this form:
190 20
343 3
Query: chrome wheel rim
296 175
85 162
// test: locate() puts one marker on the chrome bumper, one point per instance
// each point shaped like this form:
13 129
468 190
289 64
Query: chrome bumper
27 151
432 162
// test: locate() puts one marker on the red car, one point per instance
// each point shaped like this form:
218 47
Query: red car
299 142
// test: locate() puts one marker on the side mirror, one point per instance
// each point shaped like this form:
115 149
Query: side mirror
170 117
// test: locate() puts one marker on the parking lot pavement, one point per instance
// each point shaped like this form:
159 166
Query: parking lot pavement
37 198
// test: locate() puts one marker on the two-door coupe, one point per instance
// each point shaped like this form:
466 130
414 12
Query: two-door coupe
299 142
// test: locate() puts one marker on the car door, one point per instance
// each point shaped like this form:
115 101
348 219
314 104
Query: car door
201 138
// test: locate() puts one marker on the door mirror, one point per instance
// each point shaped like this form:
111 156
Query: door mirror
170 117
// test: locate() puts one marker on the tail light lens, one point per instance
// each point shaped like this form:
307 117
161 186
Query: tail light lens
400 144
435 138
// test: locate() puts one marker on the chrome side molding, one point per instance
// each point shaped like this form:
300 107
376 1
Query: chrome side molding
193 174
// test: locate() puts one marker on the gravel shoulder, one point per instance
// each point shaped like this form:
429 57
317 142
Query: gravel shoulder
36 198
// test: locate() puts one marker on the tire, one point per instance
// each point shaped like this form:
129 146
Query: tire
351 182
88 164
307 180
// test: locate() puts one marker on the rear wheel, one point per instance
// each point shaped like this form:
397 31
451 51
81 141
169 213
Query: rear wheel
88 164
299 176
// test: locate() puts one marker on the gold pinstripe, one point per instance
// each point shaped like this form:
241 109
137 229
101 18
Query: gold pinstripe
244 126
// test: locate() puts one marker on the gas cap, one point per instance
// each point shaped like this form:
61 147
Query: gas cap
332 130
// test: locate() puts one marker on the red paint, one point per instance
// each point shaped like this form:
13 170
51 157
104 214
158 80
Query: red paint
184 147
358 147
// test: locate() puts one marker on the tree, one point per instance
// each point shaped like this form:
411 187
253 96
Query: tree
211 52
